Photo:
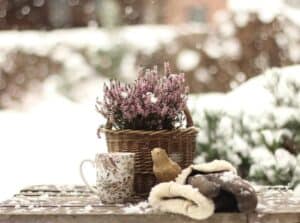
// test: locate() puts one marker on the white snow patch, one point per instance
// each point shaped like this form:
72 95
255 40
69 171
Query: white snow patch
139 208
297 190
284 159
241 19
203 75
232 48
228 176
45 143
265 10
188 60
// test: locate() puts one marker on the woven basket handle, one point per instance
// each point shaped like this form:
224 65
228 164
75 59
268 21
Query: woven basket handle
188 116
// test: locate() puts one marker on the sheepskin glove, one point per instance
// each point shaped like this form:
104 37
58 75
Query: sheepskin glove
181 199
199 190
230 192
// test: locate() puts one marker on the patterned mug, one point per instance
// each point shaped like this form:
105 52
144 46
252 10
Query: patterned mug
115 176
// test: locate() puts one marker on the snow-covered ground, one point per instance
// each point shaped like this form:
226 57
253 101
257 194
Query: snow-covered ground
45 142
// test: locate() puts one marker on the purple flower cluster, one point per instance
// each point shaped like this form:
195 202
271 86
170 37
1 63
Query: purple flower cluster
152 102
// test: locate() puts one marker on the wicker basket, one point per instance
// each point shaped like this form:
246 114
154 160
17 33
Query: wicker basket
179 144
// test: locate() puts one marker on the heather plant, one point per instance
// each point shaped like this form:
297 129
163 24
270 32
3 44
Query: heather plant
152 102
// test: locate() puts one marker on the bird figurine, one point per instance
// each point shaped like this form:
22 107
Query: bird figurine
164 168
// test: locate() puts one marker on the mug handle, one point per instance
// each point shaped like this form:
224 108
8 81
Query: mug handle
83 177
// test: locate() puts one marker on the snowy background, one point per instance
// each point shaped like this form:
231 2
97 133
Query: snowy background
49 81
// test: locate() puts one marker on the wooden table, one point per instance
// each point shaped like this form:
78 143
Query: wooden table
74 204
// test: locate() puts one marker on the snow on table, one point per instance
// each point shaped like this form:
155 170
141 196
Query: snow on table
68 203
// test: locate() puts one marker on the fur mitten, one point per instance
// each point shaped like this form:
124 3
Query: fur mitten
201 189
234 193
181 199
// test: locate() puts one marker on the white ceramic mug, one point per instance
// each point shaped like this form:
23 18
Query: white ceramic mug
115 176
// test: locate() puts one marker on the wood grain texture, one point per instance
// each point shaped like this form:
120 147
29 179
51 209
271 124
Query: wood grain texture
72 204
114 218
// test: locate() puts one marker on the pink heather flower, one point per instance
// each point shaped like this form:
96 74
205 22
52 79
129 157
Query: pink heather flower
152 102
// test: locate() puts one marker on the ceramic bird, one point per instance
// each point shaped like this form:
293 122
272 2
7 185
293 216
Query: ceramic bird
164 168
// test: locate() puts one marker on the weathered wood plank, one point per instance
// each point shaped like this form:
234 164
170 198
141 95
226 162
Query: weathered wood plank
279 200
114 218
274 218
56 189
50 203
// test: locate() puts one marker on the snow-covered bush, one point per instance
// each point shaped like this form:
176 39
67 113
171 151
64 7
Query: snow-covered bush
20 72
256 127
78 57
242 45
